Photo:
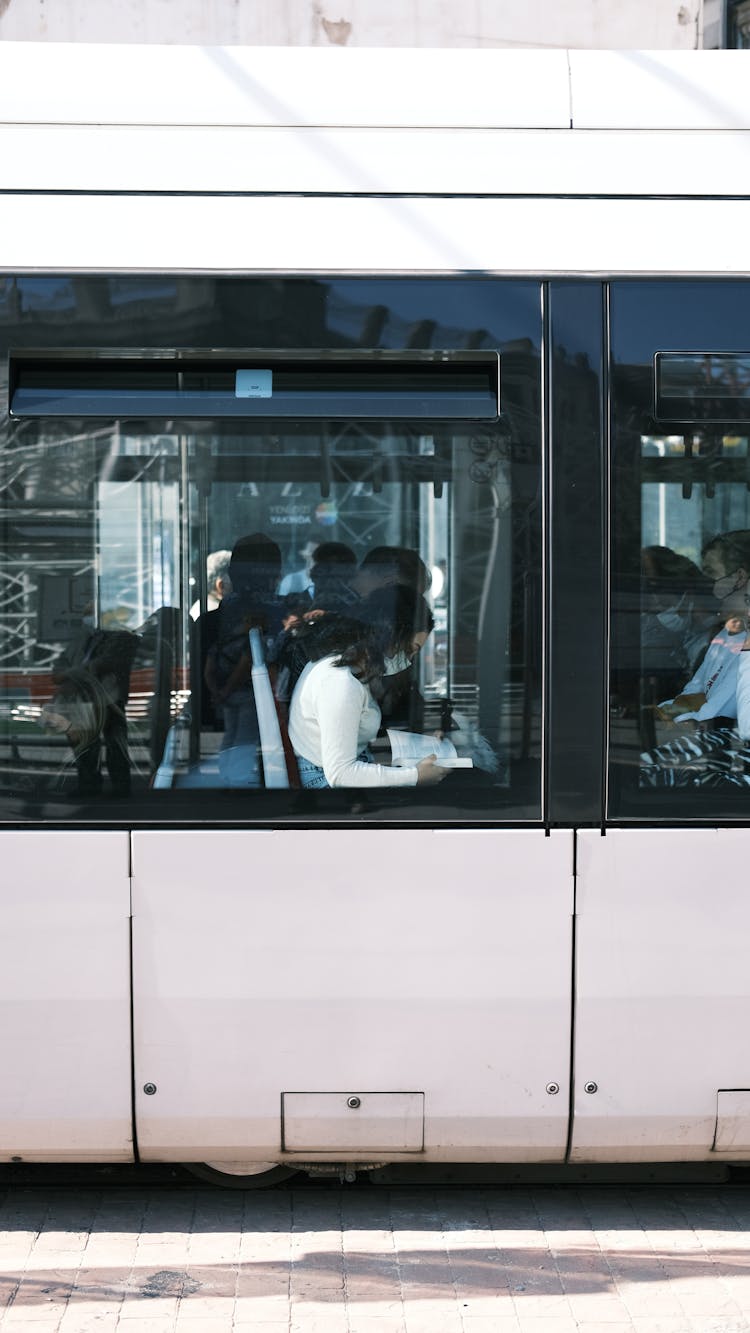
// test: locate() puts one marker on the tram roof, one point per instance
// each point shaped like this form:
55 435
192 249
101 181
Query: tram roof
231 159
270 87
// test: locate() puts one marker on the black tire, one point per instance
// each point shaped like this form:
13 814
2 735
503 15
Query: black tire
255 1180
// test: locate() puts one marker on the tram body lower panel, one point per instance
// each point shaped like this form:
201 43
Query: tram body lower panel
662 995
352 962
424 975
65 998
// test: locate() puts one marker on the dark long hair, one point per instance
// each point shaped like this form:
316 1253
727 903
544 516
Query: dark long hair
354 641
385 623
394 615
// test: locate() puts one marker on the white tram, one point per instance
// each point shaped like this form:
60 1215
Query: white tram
491 307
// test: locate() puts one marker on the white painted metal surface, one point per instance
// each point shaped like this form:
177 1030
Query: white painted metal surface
663 990
371 161
65 1091
214 85
354 1121
512 236
733 1122
94 85
266 962
660 90
446 967
294 121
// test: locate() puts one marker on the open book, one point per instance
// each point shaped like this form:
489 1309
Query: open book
408 748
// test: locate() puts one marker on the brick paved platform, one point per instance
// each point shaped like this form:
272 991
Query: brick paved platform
367 1259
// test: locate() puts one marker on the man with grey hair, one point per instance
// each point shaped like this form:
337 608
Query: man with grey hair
217 581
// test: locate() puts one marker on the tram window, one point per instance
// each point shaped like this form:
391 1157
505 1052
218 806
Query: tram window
680 683
112 691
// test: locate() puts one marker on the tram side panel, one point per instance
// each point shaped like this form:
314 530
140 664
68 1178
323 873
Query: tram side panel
663 996
65 997
424 974
663 999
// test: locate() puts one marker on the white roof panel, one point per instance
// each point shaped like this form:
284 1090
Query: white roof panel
78 83
81 83
667 90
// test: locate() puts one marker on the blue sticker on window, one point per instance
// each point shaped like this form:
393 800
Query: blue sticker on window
253 384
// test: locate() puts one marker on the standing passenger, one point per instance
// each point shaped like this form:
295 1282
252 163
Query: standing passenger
203 637
254 575
299 579
217 582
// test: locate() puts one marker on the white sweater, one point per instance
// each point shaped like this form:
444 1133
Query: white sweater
333 716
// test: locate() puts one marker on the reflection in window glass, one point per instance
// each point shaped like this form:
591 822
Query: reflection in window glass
139 662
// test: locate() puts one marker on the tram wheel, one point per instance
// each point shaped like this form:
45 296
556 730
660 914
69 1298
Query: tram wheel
241 1175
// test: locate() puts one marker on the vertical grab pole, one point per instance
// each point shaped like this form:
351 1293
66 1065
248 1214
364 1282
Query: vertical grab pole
271 745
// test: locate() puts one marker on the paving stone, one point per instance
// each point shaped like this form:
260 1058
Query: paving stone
484 1260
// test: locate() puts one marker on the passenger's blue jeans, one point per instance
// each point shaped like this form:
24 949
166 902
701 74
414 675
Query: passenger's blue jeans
310 775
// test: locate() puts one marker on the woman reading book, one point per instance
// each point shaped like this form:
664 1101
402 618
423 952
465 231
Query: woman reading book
334 717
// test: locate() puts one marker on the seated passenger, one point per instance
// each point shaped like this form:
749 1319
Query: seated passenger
743 690
677 617
706 754
334 716
712 690
743 681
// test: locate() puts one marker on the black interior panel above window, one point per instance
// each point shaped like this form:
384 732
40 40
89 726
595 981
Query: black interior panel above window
702 386
248 384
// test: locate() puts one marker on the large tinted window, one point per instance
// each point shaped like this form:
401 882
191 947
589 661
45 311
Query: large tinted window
148 675
679 725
